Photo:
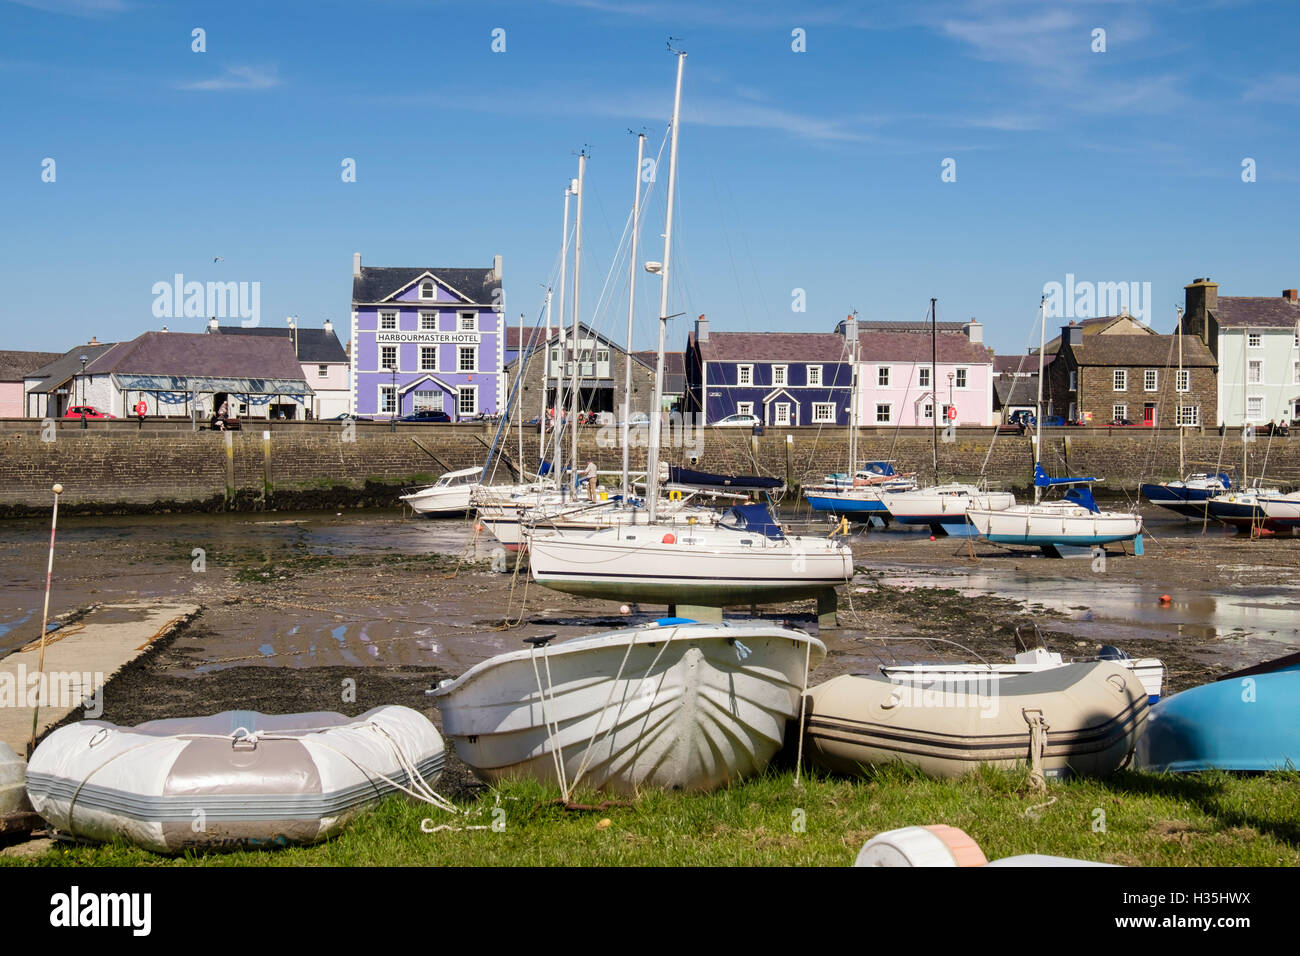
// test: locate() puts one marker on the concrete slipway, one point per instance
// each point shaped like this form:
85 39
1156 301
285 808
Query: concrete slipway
79 660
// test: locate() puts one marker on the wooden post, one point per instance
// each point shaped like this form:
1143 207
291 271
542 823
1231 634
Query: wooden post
266 466
230 468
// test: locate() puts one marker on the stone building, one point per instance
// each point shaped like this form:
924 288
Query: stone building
602 366
1131 374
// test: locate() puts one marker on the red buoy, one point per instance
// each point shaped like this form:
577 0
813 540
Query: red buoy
670 538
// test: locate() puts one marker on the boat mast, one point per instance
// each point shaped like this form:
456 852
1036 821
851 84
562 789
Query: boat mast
519 409
656 408
546 376
1245 399
852 327
557 430
1178 402
1038 417
631 310
577 273
934 391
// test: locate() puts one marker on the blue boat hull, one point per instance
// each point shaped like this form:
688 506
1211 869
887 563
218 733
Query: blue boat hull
1189 502
847 506
1243 723
1071 540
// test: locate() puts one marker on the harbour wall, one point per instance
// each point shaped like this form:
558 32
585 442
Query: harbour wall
121 467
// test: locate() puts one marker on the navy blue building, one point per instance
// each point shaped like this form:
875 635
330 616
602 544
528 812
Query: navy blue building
784 378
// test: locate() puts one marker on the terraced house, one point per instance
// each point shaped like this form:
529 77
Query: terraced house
783 378
427 338
1256 340
1125 371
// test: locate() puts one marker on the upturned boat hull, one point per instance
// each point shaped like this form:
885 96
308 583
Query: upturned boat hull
673 705
1044 529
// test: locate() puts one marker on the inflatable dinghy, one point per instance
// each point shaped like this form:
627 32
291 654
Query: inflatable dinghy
942 845
1084 719
13 781
236 780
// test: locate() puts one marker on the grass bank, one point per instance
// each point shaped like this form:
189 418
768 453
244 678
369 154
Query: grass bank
1134 819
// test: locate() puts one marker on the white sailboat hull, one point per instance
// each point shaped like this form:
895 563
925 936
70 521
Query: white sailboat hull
678 707
1054 524
662 564
944 504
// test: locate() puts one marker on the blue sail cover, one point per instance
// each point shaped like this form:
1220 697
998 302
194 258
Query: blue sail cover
685 476
1043 480
755 518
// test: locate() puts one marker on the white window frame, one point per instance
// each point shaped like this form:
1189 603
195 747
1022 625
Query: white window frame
780 410
814 376
1118 411
1255 371
927 412
745 375
883 375
322 371
1150 380
460 352
1257 417
963 379
429 350
383 320
923 376
433 290
823 413
436 403
1189 415
1074 380
1254 340
1184 380
744 408
780 375
428 321
1119 381
397 358
1295 373
387 390
460 393
464 314
889 413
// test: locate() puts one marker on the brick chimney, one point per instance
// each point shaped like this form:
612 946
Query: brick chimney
1289 295
356 265
1201 298
93 341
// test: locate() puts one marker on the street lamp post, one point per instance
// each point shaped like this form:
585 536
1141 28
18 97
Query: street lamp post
950 399
84 360
392 420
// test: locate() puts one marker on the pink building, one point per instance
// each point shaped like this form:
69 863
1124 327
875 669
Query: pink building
894 374
14 368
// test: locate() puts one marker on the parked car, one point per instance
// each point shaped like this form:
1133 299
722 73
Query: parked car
89 411
1028 421
638 420
738 421
426 415
1123 422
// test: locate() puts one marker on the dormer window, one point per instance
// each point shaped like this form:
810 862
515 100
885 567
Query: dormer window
426 289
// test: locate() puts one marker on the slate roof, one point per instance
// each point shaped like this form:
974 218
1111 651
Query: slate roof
202 355
1148 351
924 327
1094 327
674 368
529 336
1016 389
909 347
314 345
1256 312
1023 364
774 347
56 373
378 282
15 365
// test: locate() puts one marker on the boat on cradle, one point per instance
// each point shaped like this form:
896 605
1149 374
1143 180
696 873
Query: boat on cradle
1189 496
943 507
1082 719
673 704
1061 528
511 527
449 495
1150 671
1281 512
858 498
1242 508
744 558
259 779
1247 720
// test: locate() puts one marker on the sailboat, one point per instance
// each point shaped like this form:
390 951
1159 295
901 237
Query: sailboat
1060 528
745 558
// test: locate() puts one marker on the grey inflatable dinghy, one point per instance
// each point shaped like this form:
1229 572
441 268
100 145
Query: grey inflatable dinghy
1081 719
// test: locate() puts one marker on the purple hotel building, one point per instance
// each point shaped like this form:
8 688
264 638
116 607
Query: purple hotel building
427 339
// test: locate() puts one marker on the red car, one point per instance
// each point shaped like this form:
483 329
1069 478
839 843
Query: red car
90 412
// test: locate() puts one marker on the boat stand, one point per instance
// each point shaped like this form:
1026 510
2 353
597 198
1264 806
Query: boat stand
696 612
828 616
963 530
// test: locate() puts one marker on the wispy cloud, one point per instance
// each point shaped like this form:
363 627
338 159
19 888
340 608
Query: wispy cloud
1279 88
238 78
75 8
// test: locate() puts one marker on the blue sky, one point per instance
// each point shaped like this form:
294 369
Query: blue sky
815 170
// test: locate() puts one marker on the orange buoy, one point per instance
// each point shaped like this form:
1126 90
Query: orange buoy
670 538
1165 599
931 537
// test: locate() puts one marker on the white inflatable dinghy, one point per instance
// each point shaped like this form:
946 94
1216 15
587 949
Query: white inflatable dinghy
13 781
1083 719
942 845
237 779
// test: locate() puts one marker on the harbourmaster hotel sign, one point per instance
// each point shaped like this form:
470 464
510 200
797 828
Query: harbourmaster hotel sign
428 338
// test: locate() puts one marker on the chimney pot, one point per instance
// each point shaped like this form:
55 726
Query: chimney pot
1289 295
